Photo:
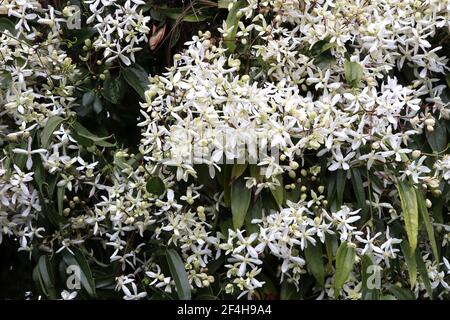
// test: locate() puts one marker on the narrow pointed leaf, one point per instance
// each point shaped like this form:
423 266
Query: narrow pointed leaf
240 201
410 260
345 259
427 222
410 211
315 262
179 275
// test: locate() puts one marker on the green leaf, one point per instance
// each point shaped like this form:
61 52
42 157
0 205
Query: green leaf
78 259
137 78
401 293
345 259
340 187
240 201
447 79
320 47
278 191
50 127
424 274
427 222
46 276
410 260
180 14
238 170
331 247
255 212
91 101
314 262
367 294
289 292
60 197
6 24
353 72
437 139
81 131
113 89
387 297
5 80
359 192
232 22
97 106
156 186
88 99
410 211
179 274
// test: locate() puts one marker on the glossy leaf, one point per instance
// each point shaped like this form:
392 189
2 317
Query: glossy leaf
238 170
401 293
52 124
137 78
345 259
437 139
410 260
314 262
425 215
410 211
179 274
78 259
46 276
240 201
366 278
278 191
113 89
156 186
423 272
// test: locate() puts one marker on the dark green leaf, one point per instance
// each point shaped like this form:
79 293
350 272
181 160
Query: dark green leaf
359 191
410 211
410 260
427 222
137 78
278 191
180 14
7 25
113 89
156 186
401 293
240 201
60 197
424 273
340 187
437 139
78 259
314 262
82 132
345 259
47 278
238 170
367 276
320 47
179 275
5 80
255 212
97 106
51 125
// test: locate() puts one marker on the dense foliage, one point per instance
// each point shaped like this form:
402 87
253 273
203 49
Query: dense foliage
151 180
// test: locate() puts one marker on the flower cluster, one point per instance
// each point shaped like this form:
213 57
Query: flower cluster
301 147
121 26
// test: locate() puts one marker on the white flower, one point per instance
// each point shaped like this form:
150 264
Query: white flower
29 153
